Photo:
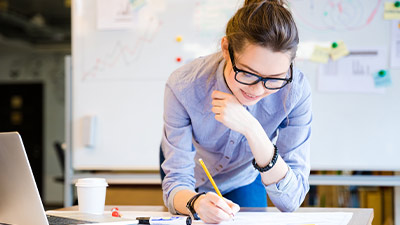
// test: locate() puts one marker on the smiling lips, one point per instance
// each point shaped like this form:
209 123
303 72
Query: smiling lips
249 96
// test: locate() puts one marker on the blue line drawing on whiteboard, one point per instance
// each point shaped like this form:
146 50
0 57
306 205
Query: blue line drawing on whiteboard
334 15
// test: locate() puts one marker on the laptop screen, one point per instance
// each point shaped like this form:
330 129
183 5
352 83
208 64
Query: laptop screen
20 200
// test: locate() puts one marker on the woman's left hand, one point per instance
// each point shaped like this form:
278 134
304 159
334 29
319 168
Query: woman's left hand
230 112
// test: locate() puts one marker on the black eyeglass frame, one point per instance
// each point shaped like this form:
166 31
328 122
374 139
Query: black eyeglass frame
259 78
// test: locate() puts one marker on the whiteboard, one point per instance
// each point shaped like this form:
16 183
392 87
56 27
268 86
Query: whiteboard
350 131
119 74
120 68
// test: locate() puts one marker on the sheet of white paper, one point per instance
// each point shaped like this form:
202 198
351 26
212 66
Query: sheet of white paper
353 73
118 15
271 218
339 218
395 45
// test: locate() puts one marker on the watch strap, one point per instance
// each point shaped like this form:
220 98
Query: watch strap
190 206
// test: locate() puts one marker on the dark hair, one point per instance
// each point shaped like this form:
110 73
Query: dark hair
267 23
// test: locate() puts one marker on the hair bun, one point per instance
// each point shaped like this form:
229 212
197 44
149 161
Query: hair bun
249 2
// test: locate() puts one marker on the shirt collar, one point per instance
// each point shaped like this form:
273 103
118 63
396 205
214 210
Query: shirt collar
221 84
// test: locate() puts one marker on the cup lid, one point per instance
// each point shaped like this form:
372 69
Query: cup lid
91 182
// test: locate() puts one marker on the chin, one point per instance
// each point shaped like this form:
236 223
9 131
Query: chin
248 102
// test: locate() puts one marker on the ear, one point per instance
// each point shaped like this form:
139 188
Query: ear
224 48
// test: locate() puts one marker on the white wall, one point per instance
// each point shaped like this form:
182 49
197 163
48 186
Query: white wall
46 66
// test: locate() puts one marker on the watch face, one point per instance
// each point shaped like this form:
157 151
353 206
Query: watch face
189 220
193 213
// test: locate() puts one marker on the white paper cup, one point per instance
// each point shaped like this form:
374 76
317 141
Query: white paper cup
91 195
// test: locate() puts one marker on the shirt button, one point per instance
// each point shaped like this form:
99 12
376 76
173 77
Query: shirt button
202 179
226 157
220 166
232 142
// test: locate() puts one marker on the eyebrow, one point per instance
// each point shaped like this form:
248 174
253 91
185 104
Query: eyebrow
256 72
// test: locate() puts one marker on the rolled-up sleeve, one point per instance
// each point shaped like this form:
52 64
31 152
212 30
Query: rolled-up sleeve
293 144
177 148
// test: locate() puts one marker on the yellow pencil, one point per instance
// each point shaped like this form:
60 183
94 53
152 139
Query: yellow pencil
212 181
210 178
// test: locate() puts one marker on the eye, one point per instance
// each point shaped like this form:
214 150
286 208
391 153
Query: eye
274 81
247 75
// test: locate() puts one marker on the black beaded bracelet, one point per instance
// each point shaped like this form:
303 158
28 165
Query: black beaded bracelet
270 165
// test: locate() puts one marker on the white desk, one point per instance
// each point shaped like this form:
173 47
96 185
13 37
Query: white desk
360 216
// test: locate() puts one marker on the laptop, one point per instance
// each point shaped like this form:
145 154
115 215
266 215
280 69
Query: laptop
20 201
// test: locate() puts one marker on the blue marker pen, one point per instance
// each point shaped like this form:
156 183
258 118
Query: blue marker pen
178 220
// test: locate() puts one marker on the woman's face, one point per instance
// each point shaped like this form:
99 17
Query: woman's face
258 60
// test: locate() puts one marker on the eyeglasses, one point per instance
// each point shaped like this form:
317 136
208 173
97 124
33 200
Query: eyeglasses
248 78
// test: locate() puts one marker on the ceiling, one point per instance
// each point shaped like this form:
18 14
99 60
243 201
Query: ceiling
37 22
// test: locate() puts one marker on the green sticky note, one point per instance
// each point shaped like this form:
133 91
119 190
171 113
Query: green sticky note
382 78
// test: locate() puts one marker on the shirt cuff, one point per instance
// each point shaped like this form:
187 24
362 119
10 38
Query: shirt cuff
171 207
282 186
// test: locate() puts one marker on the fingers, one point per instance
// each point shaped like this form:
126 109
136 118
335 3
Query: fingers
215 209
217 110
220 203
218 102
222 98
235 207
219 95
215 215
218 106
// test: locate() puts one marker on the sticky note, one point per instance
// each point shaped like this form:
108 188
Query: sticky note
178 38
391 12
320 54
339 51
382 78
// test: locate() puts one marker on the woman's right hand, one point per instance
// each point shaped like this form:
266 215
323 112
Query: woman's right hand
213 209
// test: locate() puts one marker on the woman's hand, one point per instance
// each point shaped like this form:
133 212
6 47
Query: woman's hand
213 209
230 112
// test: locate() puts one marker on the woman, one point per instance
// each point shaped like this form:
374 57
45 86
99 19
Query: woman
228 109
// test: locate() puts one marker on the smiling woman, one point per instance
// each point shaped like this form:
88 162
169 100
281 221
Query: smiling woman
232 109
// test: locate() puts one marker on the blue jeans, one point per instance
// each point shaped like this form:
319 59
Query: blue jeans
251 195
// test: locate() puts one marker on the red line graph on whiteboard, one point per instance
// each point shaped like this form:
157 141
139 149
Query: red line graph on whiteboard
122 53
335 15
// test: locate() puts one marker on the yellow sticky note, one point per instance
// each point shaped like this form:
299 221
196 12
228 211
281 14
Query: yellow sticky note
391 12
178 38
320 54
339 51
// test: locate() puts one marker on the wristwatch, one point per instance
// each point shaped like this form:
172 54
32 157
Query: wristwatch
190 206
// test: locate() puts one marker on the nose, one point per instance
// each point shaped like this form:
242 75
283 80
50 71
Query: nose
258 89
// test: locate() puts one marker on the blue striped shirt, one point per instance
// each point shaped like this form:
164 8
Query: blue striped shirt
191 132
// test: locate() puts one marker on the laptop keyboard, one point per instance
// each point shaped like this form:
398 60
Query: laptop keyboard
56 220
